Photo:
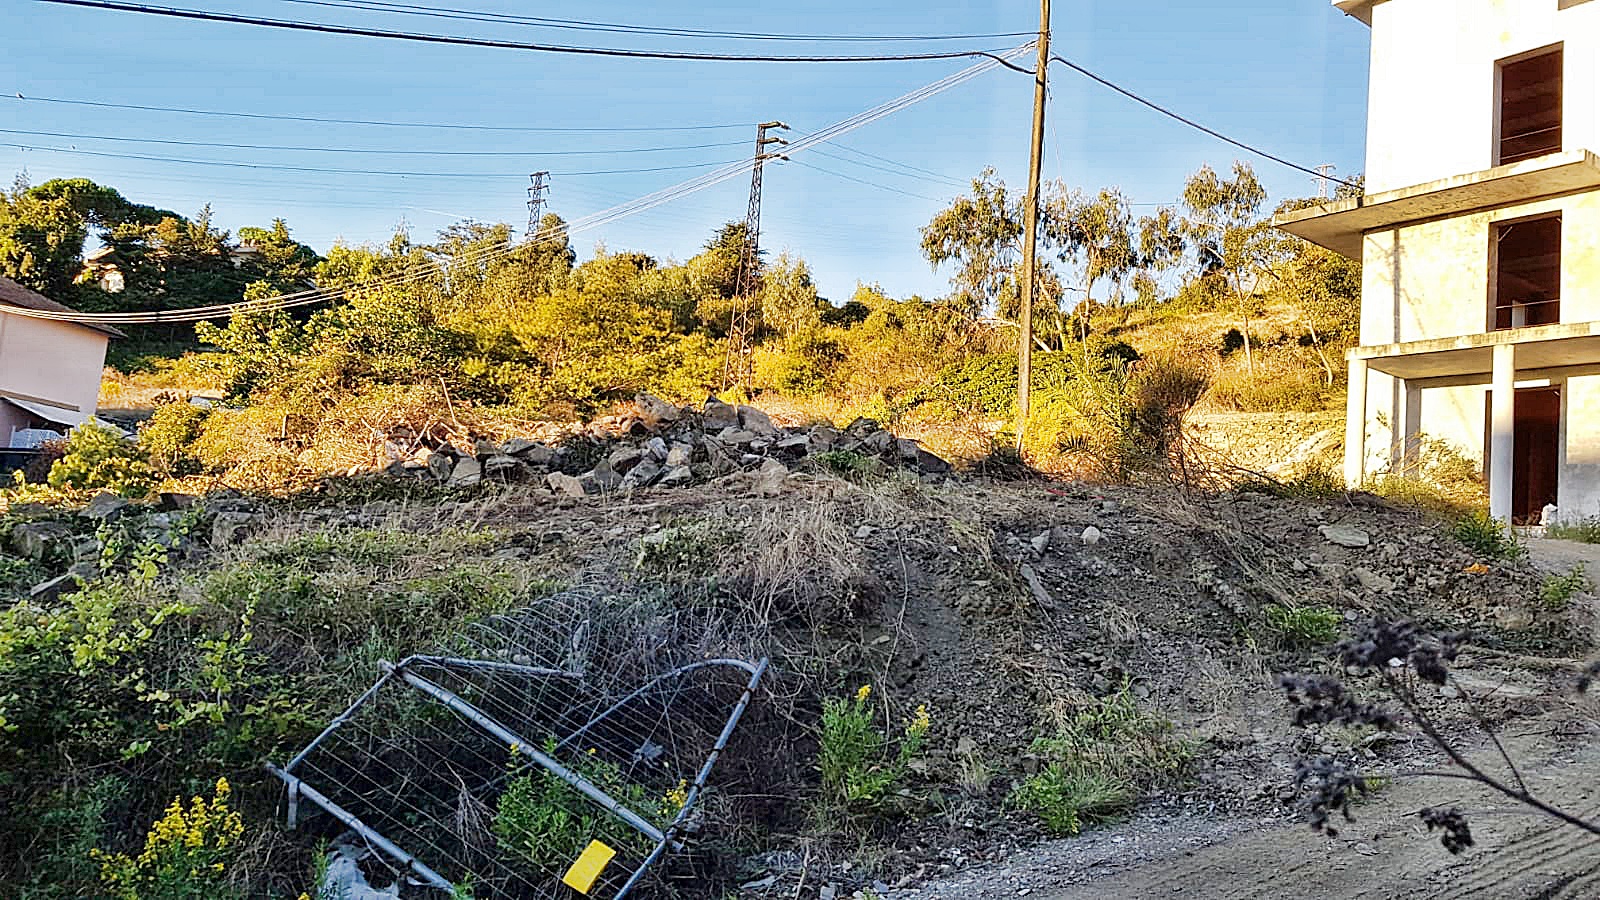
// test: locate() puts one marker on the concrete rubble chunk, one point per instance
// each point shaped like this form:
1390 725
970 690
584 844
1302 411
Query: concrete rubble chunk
717 415
878 442
39 540
440 465
467 472
932 463
624 458
105 507
795 445
1092 536
908 448
1345 536
605 478
770 478
51 591
736 437
502 467
484 449
519 446
562 483
641 475
1372 581
678 476
656 408
657 448
823 437
752 419
679 455
229 527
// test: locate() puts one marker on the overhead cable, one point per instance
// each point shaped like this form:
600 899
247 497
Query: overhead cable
283 167
385 151
620 211
325 120
445 12
1193 124
465 41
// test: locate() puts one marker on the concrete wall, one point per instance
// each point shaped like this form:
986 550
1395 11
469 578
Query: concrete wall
54 361
1433 100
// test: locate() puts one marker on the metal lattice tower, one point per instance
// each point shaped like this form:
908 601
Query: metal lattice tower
736 368
536 190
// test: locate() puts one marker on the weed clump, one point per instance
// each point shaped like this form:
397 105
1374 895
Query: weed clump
1487 536
1556 591
1104 759
861 764
1585 530
1303 626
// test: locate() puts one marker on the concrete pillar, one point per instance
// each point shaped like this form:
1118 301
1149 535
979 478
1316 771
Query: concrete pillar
1410 427
1503 393
1355 425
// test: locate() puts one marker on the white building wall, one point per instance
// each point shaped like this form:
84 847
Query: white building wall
54 361
1579 487
1432 104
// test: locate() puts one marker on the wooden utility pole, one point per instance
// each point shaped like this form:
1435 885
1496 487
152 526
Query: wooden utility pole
1030 226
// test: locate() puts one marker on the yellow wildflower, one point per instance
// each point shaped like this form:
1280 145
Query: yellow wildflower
863 692
1477 569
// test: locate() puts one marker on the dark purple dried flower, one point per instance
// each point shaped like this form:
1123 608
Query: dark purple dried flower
1333 786
1457 836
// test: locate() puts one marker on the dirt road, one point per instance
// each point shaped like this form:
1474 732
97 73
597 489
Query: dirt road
1385 854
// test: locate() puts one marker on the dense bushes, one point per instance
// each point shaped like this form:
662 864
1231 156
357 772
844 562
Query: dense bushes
96 457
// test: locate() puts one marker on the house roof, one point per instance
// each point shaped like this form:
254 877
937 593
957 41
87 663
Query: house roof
13 294
1361 9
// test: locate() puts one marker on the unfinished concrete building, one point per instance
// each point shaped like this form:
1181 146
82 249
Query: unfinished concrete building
1479 237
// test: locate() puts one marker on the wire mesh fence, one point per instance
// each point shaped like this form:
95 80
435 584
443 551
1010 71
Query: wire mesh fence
555 752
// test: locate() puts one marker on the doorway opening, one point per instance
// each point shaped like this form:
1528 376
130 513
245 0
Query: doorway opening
1536 443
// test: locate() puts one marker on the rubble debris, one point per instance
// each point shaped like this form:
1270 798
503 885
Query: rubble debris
659 444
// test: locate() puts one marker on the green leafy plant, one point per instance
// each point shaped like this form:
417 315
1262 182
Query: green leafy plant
1101 761
168 438
1303 626
686 546
1557 591
1487 536
97 457
542 820
846 463
860 763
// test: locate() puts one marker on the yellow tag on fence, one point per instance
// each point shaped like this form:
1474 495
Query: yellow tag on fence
586 870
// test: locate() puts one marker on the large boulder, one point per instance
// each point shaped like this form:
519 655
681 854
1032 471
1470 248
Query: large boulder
562 483
41 540
467 473
754 420
718 415
652 407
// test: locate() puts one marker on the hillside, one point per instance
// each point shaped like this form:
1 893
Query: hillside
215 634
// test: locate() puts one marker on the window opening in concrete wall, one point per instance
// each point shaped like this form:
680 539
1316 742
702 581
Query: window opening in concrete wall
1527 285
1530 107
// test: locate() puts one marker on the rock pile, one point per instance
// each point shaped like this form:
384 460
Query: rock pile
659 444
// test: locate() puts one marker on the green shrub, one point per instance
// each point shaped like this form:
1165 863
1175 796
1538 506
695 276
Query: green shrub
1103 759
685 547
1556 591
1067 798
1303 626
1487 536
168 438
846 463
860 763
99 458
545 822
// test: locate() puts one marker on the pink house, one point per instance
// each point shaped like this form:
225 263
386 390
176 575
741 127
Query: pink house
49 370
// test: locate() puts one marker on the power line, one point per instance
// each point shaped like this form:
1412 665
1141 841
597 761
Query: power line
445 12
904 165
623 210
871 184
478 153
1187 121
952 182
291 168
15 95
464 41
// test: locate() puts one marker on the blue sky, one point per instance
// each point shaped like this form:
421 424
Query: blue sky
1288 75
